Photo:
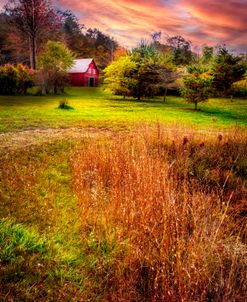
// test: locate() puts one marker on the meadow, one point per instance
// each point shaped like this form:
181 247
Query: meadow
94 107
129 201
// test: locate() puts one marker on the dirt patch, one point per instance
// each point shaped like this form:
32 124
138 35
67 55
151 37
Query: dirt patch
34 137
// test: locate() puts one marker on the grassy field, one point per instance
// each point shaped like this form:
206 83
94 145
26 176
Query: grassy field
156 212
93 107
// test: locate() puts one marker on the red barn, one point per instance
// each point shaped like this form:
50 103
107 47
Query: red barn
84 72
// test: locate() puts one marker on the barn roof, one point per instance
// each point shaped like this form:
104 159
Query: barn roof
80 65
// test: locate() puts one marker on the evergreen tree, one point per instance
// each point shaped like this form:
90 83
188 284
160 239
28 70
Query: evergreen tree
197 85
226 70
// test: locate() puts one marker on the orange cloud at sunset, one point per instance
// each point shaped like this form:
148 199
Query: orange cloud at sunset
211 22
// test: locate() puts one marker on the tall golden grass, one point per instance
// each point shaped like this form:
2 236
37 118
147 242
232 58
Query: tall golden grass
163 215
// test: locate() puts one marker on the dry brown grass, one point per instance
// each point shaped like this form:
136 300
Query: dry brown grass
163 218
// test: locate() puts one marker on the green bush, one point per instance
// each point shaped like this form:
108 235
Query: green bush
240 88
64 104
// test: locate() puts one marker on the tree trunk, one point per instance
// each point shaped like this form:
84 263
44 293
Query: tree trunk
30 52
196 105
165 93
33 51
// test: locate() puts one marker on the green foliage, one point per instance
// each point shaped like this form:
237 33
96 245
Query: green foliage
207 54
119 76
152 80
182 54
147 53
197 85
53 65
15 80
143 73
73 32
56 57
240 87
226 70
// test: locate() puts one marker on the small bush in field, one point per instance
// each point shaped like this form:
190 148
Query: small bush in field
64 104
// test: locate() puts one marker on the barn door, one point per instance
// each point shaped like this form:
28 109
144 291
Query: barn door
91 82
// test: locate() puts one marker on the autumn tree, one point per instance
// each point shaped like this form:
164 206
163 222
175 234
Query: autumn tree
72 31
53 65
32 18
119 76
15 79
197 85
5 52
99 46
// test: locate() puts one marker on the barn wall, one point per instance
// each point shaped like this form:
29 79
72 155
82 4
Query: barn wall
77 79
82 79
92 72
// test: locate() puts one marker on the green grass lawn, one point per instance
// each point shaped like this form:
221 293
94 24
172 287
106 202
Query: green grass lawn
94 107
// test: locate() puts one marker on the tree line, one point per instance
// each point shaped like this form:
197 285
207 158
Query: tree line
149 71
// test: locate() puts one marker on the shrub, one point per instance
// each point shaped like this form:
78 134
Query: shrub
15 80
26 78
64 104
8 79
240 88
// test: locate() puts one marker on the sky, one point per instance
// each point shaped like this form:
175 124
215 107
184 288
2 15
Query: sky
211 22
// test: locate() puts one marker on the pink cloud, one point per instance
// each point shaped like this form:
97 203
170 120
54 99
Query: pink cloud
209 22
202 21
220 21
2 2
